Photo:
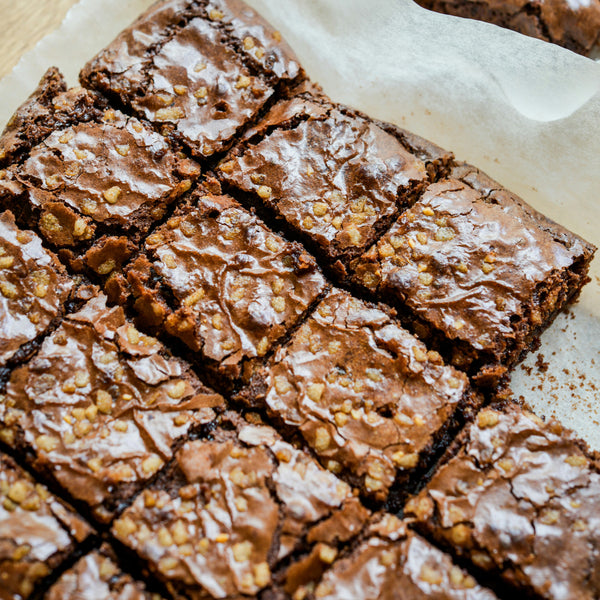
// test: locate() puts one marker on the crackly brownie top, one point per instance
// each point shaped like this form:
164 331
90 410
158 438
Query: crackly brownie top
393 558
334 176
96 576
179 67
240 25
201 88
366 394
51 106
101 404
33 287
255 38
520 496
36 531
469 260
241 502
116 171
237 287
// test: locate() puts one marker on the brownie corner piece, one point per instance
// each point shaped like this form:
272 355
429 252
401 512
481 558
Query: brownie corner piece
334 176
481 273
50 106
37 531
277 500
220 280
101 407
371 402
34 288
185 67
97 575
391 557
517 498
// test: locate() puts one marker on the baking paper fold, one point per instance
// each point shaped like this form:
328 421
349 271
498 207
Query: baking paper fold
525 111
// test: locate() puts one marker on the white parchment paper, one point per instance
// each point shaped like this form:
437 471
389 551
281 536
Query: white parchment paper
525 111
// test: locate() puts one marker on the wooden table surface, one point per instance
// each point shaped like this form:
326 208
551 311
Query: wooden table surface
26 22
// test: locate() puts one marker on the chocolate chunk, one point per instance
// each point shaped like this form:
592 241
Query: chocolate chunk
101 406
518 498
370 400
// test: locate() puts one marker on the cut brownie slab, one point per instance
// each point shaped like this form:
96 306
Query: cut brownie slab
34 288
199 70
37 532
232 509
519 498
222 282
93 184
96 576
481 272
367 396
101 406
573 25
336 177
393 562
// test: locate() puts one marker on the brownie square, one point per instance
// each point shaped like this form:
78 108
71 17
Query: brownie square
372 403
393 562
217 278
93 187
34 288
233 510
98 576
37 532
334 176
481 273
100 407
518 498
199 71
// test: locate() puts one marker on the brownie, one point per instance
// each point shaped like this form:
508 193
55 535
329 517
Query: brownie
518 498
393 562
34 288
372 403
100 407
217 278
37 532
335 177
198 70
51 106
573 25
234 509
97 576
480 272
92 188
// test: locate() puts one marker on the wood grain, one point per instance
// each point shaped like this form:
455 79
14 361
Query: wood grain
26 22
